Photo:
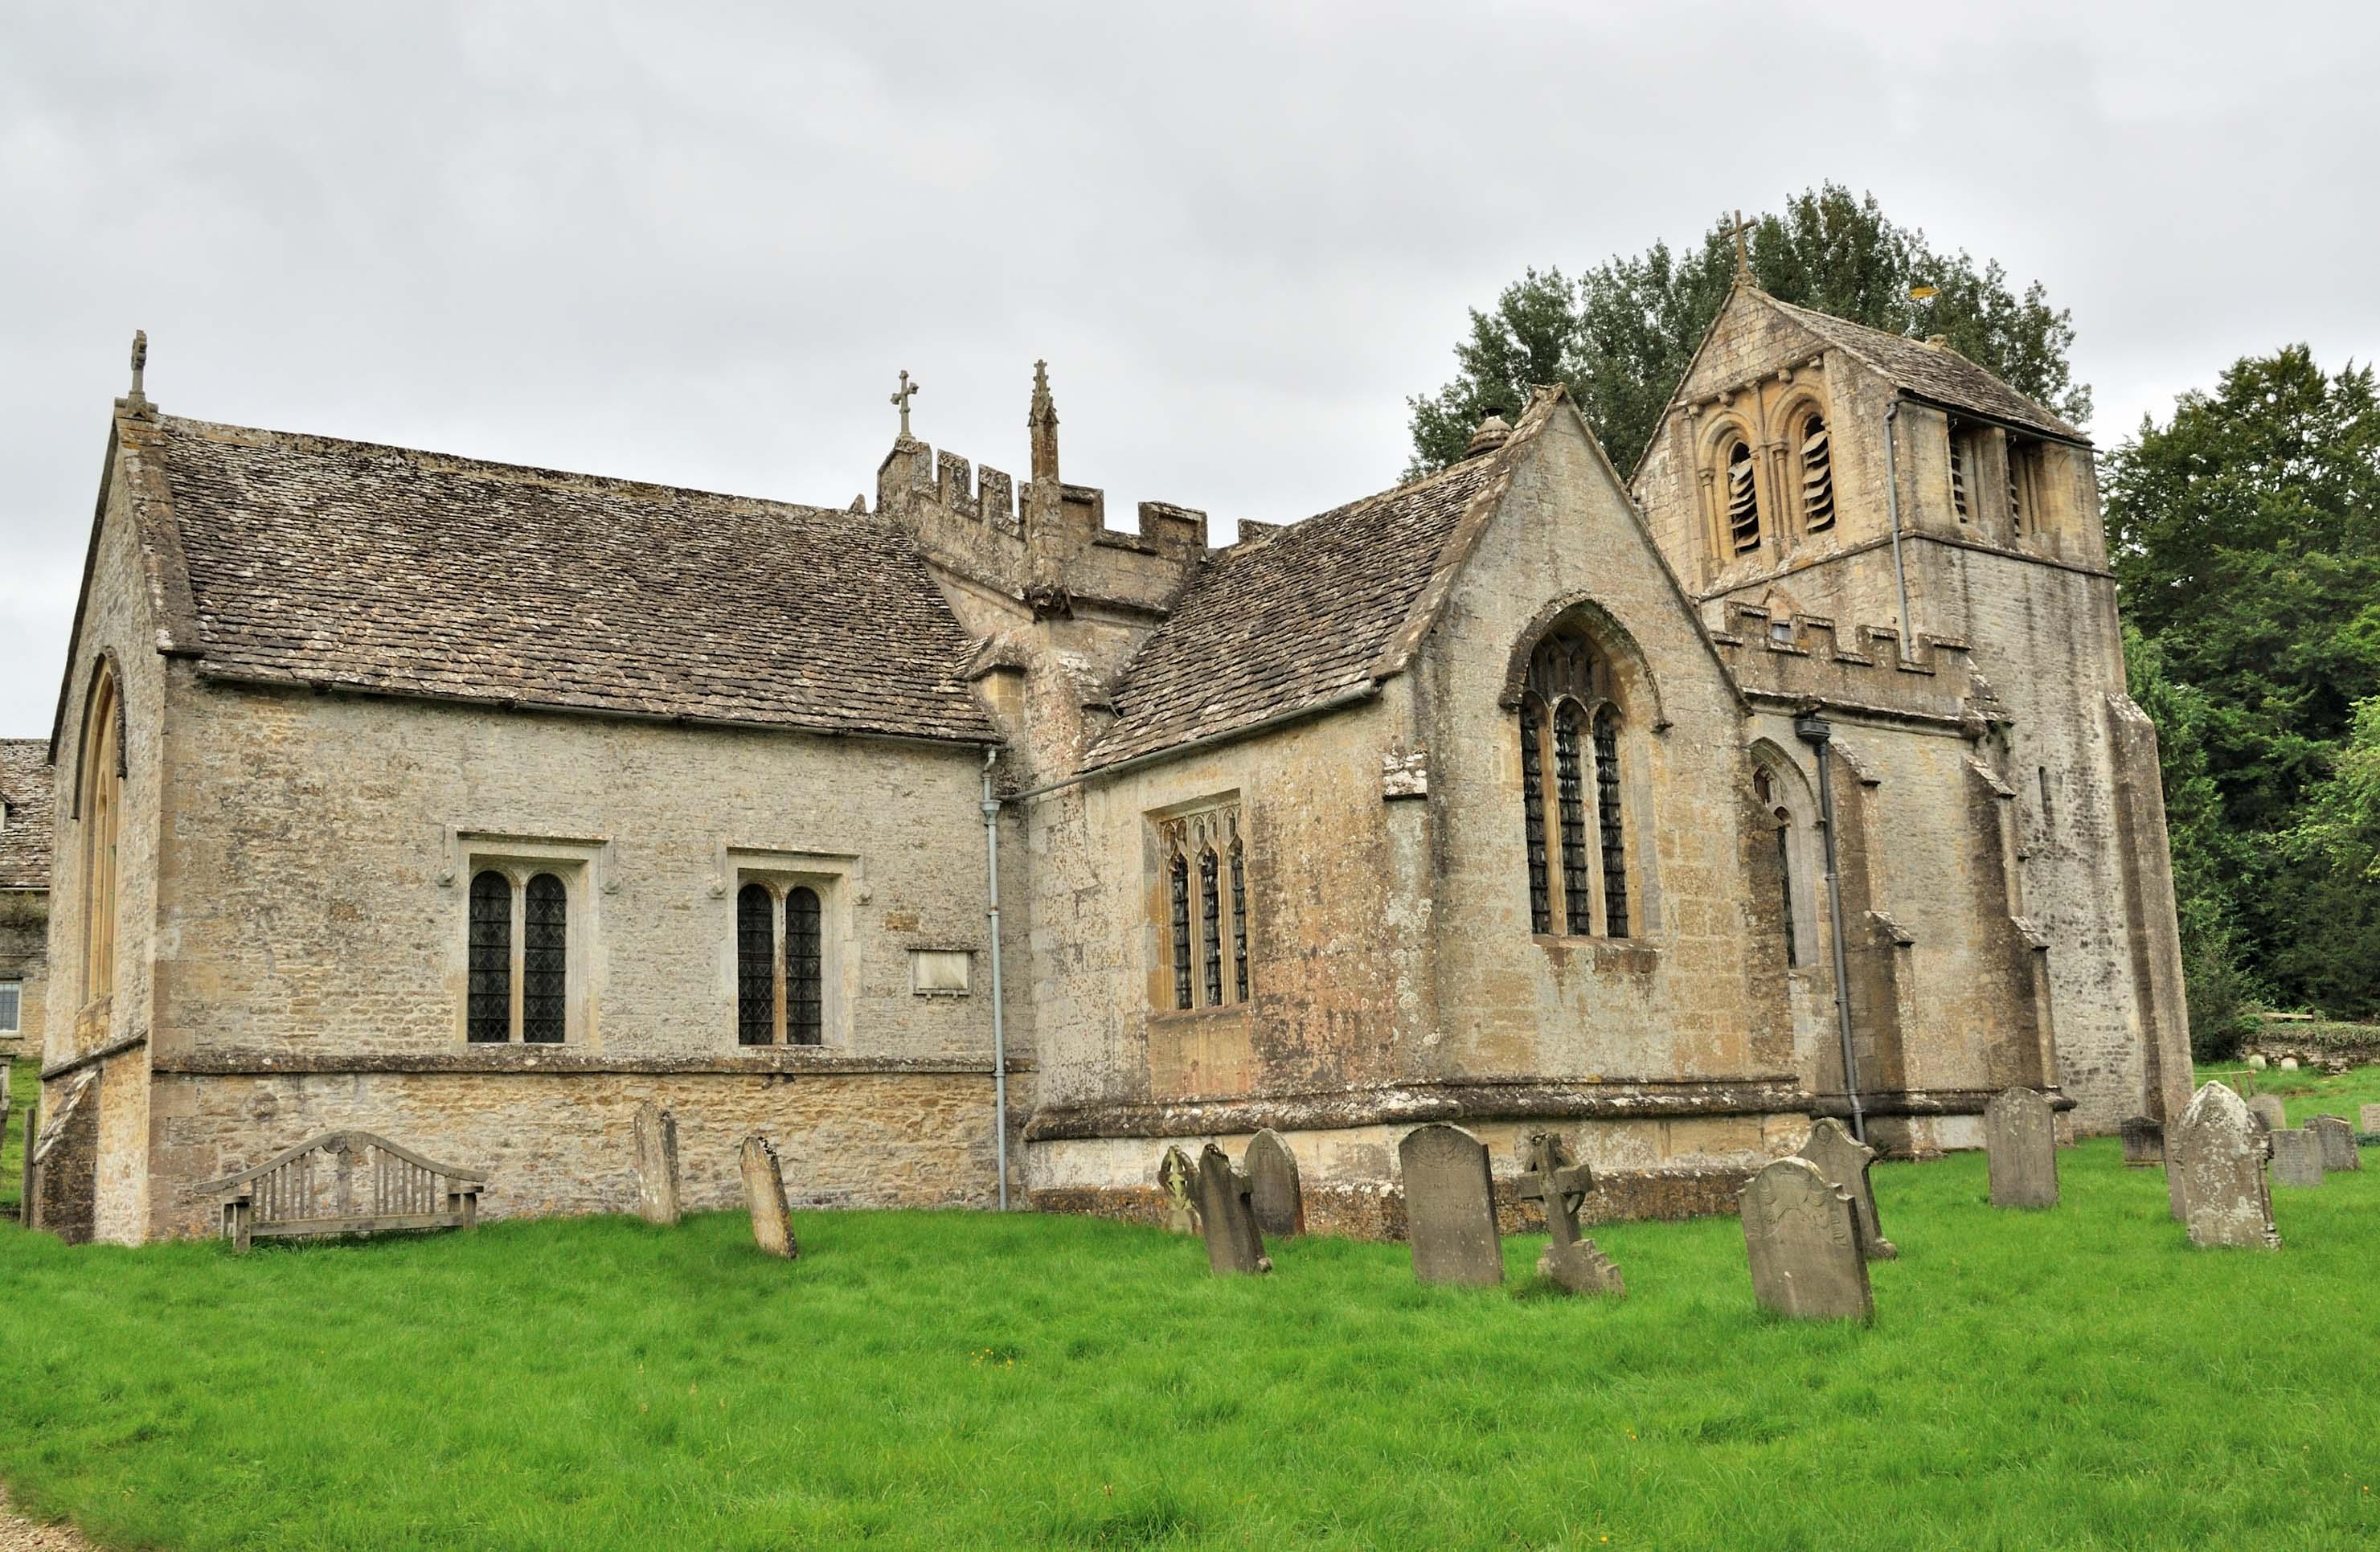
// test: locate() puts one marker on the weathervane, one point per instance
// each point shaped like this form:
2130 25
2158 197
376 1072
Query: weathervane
908 390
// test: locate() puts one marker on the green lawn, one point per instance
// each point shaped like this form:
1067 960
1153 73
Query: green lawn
24 1084
2077 1377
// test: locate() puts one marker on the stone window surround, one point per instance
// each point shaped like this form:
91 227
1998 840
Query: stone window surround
1792 791
582 865
1188 828
1764 414
12 1006
840 883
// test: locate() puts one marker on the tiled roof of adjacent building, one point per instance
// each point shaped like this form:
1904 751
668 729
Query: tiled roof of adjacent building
1943 376
24 824
1291 620
317 561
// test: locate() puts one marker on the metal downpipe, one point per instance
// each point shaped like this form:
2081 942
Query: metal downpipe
999 1022
1819 735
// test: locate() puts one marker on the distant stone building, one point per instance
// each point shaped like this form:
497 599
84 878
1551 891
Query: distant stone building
474 804
25 829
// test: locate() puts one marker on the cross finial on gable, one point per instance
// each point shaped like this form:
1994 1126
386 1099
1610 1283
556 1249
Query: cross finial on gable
140 360
908 390
1743 258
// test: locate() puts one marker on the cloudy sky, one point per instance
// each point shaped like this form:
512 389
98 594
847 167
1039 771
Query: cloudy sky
695 244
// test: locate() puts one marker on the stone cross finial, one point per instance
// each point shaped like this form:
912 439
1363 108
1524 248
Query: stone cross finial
1743 258
139 359
908 390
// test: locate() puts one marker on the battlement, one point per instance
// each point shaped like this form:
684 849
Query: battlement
1804 657
1047 544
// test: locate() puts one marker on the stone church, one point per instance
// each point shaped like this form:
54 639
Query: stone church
961 832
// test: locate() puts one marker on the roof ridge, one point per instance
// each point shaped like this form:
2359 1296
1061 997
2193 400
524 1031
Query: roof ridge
1847 333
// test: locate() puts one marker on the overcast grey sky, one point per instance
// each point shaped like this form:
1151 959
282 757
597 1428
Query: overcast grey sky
695 243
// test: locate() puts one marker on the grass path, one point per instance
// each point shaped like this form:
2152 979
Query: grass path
2078 1377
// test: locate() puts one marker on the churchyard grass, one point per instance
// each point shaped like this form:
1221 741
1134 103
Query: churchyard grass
24 1086
2075 1378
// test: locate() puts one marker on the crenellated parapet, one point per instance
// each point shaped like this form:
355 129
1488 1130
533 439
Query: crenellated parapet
1047 545
1808 660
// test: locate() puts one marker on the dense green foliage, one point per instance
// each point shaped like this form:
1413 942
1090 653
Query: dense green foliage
2245 534
1621 335
2076 1378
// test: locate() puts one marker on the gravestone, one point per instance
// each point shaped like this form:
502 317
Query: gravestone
657 1196
1802 1235
1272 1181
1179 1178
1234 1247
2143 1143
2289 1064
2297 1156
764 1196
2219 1152
2021 1132
2336 1140
2367 1119
2267 1109
1570 1262
1843 1160
1451 1206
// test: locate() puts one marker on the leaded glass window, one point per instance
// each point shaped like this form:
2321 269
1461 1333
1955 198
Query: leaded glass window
1570 792
544 959
1239 923
1210 924
756 966
804 970
489 1013
1179 875
1533 822
1608 821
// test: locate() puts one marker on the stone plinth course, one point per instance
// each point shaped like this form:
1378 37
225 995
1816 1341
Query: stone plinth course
1450 1206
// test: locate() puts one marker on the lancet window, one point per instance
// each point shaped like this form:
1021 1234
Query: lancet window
1207 930
1570 753
102 800
780 965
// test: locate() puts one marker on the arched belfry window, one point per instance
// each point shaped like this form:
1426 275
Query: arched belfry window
101 801
1742 498
1570 750
1817 474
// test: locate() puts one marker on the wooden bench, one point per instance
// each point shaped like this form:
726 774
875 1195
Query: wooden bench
345 1183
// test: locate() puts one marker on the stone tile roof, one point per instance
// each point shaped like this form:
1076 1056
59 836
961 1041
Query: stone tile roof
1291 620
1943 376
25 833
313 560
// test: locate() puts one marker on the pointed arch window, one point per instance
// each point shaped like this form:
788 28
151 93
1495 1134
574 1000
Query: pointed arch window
1178 873
1742 498
1209 949
1570 731
102 778
1817 475
1239 923
1210 927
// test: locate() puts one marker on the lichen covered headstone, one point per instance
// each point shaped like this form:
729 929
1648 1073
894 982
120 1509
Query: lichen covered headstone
1234 1247
2220 1152
656 1187
2020 1131
1802 1236
2337 1141
764 1196
1844 1159
2297 1156
1450 1206
1178 1178
1273 1185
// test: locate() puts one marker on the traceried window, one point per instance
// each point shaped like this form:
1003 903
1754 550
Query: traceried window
518 963
1206 932
780 965
1743 499
1817 475
1570 750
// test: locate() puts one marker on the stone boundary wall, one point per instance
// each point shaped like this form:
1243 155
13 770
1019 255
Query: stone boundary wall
562 1143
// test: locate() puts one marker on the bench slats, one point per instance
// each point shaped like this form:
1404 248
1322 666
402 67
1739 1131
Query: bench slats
288 1196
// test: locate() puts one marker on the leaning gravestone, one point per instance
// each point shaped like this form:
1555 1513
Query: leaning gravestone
2021 1135
657 1195
1179 1180
1802 1235
764 1196
1844 1161
1570 1262
1450 1206
2143 1143
2297 1156
1272 1181
2219 1150
1234 1247
2337 1141
2267 1109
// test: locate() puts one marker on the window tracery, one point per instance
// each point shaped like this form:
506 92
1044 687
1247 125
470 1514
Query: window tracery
1608 818
1566 717
1210 957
